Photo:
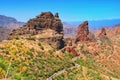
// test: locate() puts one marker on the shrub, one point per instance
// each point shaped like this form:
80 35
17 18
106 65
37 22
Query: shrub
32 49
82 47
41 47
31 38
30 54
17 38
71 56
1 48
50 51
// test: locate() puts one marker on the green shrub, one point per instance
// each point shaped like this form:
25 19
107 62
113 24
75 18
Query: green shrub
1 48
50 51
41 47
30 54
17 38
32 49
31 38
71 56
82 47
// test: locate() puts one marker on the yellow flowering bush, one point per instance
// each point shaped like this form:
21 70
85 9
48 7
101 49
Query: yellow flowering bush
16 54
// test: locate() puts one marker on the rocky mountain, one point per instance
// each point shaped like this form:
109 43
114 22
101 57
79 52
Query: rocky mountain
70 28
114 30
102 34
83 32
4 33
96 23
39 51
9 22
43 24
70 32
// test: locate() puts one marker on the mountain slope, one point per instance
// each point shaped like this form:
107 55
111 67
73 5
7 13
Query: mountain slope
70 28
4 33
9 22
33 53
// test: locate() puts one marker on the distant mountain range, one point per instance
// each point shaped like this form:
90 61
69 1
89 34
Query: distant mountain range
70 28
94 24
9 22
4 33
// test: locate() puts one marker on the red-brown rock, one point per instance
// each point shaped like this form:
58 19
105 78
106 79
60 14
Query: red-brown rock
56 15
46 20
102 35
83 32
71 50
103 32
45 23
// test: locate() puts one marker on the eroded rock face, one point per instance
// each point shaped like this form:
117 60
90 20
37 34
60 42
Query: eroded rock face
46 20
44 24
83 32
103 32
52 38
102 35
71 50
56 15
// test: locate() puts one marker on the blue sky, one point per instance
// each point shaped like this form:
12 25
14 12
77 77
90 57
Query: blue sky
69 10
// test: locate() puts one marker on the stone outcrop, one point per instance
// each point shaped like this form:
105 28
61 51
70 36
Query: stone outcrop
83 32
102 36
103 32
43 21
51 37
68 41
56 15
45 24
71 50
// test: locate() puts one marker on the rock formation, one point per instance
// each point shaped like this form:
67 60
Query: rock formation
71 50
56 15
43 21
103 32
68 41
83 32
102 36
46 24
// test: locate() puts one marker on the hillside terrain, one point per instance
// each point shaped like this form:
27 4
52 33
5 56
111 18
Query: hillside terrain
4 33
70 28
39 51
7 24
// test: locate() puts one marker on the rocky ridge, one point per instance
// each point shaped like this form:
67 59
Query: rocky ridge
102 36
83 32
10 22
46 20
46 27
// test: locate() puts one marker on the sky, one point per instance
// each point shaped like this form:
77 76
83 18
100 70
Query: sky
69 10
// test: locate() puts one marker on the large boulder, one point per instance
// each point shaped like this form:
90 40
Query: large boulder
83 32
